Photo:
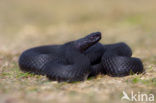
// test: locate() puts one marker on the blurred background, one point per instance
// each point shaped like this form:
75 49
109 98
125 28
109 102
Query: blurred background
29 23
34 22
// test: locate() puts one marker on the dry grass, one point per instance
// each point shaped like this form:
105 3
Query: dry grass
24 24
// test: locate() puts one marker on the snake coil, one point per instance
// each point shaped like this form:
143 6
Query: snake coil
76 60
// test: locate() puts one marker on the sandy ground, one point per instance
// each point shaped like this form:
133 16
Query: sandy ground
27 23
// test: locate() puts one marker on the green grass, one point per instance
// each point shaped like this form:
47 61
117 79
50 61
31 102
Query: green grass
151 81
25 24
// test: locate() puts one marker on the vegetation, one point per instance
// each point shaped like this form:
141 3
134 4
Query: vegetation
27 23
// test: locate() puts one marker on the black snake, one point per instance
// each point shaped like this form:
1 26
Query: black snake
79 59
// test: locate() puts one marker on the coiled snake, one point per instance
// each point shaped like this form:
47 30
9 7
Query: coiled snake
76 60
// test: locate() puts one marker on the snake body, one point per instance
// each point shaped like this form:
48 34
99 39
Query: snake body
76 60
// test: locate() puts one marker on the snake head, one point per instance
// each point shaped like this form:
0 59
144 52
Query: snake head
87 41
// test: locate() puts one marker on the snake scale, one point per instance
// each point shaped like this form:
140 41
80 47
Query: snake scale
79 59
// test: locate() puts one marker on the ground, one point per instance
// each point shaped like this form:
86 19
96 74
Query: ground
27 23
